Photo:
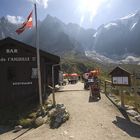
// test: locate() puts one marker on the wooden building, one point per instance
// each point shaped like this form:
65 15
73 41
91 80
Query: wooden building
18 72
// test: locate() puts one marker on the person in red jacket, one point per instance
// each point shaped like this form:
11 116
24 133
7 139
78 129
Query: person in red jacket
94 86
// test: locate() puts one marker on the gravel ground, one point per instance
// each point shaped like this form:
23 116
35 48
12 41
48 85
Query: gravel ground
88 120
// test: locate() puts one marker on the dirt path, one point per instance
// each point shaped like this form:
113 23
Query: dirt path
88 120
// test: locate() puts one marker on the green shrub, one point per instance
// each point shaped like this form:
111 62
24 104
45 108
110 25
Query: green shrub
26 122
115 91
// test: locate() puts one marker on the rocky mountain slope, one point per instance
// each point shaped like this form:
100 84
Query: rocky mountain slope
115 42
120 38
54 36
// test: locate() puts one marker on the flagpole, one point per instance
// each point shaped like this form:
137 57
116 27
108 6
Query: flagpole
38 58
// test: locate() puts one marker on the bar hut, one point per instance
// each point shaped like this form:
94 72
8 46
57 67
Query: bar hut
18 72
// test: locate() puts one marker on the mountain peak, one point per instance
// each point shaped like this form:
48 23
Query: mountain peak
115 37
53 19
135 14
3 20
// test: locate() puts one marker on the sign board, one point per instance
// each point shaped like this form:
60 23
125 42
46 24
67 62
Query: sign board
120 80
61 77
120 77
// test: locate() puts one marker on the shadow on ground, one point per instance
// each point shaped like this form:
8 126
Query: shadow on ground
122 110
129 127
4 129
21 134
91 99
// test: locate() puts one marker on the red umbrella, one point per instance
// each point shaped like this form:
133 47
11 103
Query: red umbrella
65 74
74 74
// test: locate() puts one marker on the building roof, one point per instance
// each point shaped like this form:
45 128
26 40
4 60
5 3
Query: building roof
30 48
118 68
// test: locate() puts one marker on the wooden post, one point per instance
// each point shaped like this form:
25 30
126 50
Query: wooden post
53 85
38 59
135 91
106 81
122 98
105 87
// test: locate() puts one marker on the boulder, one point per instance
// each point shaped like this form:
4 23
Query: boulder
137 118
119 103
39 121
49 106
132 113
18 128
58 115
130 107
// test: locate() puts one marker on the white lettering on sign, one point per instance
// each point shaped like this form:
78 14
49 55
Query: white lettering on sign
11 51
2 59
21 83
18 59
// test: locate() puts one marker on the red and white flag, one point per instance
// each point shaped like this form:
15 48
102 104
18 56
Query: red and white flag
27 24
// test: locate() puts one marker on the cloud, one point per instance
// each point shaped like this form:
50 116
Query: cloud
15 19
43 3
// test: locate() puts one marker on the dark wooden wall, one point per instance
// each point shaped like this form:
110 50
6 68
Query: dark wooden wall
16 82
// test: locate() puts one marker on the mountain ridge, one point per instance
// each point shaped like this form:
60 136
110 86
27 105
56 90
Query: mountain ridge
54 36
117 41
119 37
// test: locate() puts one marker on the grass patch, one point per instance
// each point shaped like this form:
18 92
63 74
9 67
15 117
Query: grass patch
129 99
26 122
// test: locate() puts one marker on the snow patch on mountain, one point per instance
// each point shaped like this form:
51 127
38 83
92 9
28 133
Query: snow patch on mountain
98 57
133 26
129 21
128 16
107 26
129 59
15 19
95 34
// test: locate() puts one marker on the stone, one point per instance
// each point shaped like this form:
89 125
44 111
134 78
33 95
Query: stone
132 113
49 106
126 106
116 100
57 87
110 95
58 119
39 121
137 118
41 112
130 108
45 118
58 115
52 112
48 102
18 128
56 125
119 103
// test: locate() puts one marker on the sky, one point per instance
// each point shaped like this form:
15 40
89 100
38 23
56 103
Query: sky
86 13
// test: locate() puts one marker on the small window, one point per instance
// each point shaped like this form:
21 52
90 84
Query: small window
11 73
34 73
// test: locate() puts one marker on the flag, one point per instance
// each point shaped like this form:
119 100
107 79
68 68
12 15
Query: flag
27 24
